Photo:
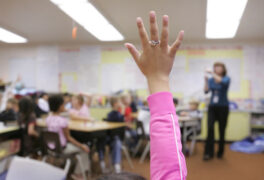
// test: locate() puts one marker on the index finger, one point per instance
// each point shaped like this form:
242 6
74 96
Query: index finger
142 33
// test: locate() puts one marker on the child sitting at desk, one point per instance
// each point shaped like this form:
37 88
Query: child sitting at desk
43 102
194 113
116 115
193 110
11 111
126 101
67 100
59 124
129 117
80 110
27 122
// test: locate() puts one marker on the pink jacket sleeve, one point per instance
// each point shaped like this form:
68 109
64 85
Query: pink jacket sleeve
167 160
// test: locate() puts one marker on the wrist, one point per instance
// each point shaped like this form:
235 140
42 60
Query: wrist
158 84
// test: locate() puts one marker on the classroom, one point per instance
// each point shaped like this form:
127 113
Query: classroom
131 90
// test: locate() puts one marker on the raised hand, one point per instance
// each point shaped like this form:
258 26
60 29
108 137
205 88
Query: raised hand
157 58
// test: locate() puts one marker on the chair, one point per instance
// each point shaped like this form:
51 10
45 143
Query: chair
143 124
193 132
121 132
52 139
29 169
142 136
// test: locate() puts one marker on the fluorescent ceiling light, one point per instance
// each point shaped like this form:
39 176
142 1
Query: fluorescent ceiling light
85 14
223 18
9 37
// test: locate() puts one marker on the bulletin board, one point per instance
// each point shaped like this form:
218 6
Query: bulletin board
187 76
98 70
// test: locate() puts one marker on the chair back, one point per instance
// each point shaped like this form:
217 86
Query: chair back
51 143
29 169
144 117
140 129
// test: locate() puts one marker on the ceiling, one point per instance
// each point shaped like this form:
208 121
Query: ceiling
41 22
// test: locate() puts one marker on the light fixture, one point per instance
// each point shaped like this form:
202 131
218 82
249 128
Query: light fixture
85 14
9 37
223 18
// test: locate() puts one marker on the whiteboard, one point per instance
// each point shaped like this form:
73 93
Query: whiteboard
112 77
25 68
47 75
84 62
133 77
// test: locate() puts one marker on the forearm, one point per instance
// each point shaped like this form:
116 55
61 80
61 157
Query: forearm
167 159
80 118
217 78
32 131
74 141
206 87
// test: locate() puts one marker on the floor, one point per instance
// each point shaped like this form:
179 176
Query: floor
234 166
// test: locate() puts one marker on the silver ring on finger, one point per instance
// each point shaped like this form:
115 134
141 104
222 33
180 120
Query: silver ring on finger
154 43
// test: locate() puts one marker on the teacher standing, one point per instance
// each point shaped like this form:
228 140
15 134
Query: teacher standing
218 109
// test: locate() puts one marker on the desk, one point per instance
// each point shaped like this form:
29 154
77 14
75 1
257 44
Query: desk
9 141
8 129
9 132
193 124
87 126
238 126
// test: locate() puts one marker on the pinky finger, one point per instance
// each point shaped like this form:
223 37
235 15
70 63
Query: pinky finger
133 51
175 46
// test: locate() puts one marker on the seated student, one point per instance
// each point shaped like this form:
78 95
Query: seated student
67 100
27 122
131 134
115 140
11 111
59 124
43 102
80 110
126 101
39 112
193 110
134 102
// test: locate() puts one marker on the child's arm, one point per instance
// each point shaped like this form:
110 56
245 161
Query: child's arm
74 141
80 118
155 62
32 131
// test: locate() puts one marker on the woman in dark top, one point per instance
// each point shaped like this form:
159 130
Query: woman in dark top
27 123
218 108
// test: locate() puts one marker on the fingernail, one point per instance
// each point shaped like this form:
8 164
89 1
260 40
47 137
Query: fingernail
152 13
166 17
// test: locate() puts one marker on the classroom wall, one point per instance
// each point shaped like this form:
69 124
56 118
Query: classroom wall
102 69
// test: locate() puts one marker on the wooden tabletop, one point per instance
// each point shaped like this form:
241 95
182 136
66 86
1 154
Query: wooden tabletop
87 126
8 129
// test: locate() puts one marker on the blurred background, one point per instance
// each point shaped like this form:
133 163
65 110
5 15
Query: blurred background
76 48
